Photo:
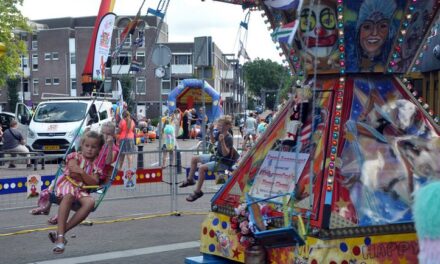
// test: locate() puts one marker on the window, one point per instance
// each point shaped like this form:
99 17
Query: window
55 56
56 81
140 40
35 84
34 42
140 86
35 62
182 59
73 83
72 58
47 56
48 81
24 62
25 85
177 82
108 63
124 58
103 115
127 42
166 87
54 112
107 86
140 57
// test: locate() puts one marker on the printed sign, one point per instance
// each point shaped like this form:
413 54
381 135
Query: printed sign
33 186
130 179
277 174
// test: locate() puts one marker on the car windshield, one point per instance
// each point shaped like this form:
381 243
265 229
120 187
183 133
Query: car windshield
56 112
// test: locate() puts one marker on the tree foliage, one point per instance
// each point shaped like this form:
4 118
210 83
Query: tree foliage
268 75
127 90
11 21
12 85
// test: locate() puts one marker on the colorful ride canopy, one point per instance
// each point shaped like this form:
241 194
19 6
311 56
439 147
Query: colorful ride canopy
189 94
340 36
388 149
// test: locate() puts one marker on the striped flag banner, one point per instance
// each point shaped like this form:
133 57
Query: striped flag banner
285 33
284 4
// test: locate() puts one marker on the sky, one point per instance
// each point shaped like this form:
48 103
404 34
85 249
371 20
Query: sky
186 19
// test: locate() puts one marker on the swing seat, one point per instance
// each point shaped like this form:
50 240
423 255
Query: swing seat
275 237
155 12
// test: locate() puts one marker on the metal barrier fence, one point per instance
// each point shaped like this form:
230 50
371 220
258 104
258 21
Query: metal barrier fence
152 179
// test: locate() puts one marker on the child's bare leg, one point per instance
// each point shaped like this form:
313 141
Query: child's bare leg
63 214
121 161
130 160
87 204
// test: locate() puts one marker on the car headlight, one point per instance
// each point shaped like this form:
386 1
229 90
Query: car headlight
31 134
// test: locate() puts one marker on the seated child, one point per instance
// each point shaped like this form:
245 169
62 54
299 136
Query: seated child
80 171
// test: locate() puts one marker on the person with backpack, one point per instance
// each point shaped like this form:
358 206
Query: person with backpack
223 159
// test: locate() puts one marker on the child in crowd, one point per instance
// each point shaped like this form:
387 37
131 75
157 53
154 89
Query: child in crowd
80 171
169 143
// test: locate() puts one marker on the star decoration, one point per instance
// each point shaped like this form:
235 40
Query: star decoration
236 253
387 261
341 203
403 260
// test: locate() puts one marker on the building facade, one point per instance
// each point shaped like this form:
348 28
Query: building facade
58 49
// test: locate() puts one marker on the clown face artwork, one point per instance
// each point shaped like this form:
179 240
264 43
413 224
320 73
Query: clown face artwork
317 34
130 179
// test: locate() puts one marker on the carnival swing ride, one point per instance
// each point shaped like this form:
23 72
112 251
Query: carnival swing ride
92 84
334 185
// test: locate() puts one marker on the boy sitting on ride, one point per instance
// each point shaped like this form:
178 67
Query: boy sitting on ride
224 159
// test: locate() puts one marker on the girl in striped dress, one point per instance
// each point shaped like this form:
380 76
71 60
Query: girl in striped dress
80 171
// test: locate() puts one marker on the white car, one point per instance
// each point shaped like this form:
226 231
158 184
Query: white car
56 123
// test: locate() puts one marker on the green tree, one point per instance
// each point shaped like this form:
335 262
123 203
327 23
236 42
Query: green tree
12 85
267 75
11 22
127 89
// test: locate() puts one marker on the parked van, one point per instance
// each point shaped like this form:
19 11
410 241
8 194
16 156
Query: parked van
56 121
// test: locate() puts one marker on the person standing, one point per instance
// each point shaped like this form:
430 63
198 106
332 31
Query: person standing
250 128
185 125
13 141
126 138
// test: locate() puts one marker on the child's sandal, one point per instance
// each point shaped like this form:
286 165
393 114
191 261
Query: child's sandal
59 247
53 237
194 196
39 211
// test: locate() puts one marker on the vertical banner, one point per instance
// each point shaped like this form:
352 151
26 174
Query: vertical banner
102 45
33 186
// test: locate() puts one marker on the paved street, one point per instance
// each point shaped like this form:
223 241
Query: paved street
135 230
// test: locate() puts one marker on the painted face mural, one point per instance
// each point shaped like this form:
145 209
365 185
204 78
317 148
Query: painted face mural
373 29
373 35
318 30
317 36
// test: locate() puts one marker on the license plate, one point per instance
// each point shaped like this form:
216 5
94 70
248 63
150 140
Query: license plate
51 147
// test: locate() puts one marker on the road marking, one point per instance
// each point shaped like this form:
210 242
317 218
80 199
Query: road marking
123 253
